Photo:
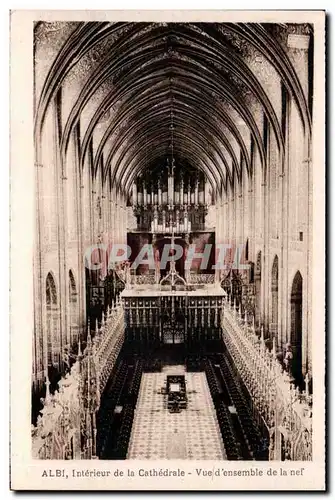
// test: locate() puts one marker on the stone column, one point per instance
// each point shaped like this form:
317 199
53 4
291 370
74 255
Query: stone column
39 334
81 306
222 221
60 183
264 249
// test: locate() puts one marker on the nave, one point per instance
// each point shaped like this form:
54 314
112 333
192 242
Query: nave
174 200
219 423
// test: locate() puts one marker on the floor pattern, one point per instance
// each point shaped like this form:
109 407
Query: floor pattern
158 434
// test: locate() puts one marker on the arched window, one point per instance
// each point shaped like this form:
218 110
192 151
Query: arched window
73 310
296 326
274 297
52 317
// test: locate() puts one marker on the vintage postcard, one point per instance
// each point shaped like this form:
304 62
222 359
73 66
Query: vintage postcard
168 250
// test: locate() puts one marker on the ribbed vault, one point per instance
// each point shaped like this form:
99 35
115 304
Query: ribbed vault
128 84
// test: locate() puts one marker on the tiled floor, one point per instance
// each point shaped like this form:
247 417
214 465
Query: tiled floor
192 434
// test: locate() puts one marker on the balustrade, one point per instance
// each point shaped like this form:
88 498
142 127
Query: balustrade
283 407
66 426
69 414
107 343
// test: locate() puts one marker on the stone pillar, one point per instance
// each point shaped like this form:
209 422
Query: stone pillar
281 225
81 285
39 334
223 221
113 228
241 213
233 217
298 45
226 220
251 215
264 249
117 219
60 183
309 245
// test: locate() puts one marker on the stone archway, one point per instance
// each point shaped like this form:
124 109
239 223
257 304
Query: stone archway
296 327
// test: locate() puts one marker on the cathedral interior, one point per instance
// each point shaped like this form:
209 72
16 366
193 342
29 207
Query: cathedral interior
173 248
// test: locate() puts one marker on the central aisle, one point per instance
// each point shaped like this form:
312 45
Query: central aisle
158 434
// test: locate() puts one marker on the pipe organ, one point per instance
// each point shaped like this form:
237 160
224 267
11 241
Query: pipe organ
171 197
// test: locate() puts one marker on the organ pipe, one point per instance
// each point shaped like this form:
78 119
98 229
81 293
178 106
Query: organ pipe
196 193
144 194
134 193
160 201
171 186
181 196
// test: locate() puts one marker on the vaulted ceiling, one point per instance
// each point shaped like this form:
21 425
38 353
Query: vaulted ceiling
135 90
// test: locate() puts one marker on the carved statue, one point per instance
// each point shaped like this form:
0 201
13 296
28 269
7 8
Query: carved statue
288 358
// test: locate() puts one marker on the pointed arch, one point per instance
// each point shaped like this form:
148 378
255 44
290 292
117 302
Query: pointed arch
52 322
51 290
72 282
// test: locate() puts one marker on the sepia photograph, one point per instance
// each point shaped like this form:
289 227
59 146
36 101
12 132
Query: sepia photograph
177 292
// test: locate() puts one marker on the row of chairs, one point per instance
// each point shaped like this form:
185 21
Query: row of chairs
127 415
231 445
110 399
121 448
249 428
212 380
113 392
126 385
134 386
226 426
